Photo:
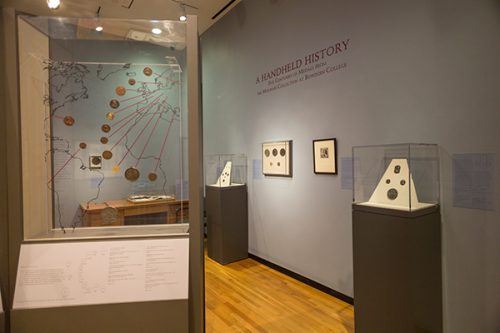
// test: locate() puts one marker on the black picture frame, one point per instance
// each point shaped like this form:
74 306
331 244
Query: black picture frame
325 156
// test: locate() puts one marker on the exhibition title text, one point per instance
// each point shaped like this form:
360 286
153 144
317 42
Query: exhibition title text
305 61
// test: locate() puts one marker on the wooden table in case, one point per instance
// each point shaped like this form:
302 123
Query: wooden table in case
174 211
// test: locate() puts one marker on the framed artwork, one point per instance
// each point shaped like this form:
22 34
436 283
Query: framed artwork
325 156
277 158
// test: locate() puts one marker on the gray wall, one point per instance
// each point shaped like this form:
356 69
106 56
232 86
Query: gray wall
417 71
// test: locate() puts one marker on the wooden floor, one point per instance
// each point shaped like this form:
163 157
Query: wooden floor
247 296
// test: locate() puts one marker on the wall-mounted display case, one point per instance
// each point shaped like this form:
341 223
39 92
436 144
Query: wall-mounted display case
225 170
399 176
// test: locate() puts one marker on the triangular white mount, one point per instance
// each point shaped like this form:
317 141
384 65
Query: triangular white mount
224 179
396 189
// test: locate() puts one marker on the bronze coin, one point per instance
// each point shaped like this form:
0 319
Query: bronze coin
147 71
96 160
83 145
267 153
132 174
282 151
152 176
110 115
104 140
69 121
114 103
392 194
107 155
106 128
120 90
131 81
275 152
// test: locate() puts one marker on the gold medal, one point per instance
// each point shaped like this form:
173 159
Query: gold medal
152 176
83 145
147 71
104 140
131 81
110 115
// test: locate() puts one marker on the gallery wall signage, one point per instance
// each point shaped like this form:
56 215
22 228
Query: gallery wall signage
102 272
312 65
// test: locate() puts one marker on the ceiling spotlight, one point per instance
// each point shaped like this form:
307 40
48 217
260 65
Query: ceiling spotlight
99 28
53 4
156 31
183 16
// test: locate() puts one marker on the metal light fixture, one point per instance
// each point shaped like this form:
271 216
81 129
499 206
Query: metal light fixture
53 4
183 16
183 5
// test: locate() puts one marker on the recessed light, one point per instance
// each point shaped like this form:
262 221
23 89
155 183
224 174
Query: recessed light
183 18
156 31
53 4
99 28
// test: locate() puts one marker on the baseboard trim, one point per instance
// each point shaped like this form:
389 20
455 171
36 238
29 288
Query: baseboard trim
303 279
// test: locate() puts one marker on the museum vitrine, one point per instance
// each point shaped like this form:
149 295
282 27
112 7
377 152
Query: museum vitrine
400 176
226 204
396 227
103 122
225 170
103 130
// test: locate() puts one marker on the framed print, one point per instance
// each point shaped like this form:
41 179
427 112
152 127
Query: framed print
277 158
325 156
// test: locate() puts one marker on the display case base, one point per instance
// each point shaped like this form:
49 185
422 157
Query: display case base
161 316
397 270
227 223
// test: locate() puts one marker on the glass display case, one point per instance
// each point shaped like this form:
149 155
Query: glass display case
103 122
400 176
225 170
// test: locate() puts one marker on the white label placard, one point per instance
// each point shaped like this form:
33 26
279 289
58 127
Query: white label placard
101 272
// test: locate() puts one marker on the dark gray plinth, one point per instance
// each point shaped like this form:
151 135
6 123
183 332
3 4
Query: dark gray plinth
227 223
162 316
397 271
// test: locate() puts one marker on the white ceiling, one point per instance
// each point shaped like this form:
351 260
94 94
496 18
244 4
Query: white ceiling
140 9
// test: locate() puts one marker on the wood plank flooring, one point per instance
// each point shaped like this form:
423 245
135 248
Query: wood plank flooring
247 296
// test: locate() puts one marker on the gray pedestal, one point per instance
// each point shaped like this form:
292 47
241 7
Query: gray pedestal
227 223
161 316
397 270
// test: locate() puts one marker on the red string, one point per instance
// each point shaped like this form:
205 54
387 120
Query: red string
137 138
149 138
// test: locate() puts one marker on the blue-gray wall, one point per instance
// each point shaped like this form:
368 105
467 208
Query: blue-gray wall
417 71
